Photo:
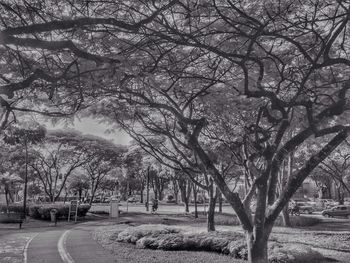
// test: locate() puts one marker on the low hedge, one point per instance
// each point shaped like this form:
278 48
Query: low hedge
12 208
229 243
12 217
42 211
296 221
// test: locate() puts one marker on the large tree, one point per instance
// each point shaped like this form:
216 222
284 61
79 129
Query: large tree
336 167
171 64
104 159
55 159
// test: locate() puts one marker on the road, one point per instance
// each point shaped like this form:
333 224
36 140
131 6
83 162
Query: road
327 224
69 245
163 208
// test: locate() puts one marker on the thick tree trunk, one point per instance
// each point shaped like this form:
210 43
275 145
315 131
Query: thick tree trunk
211 215
285 217
257 248
211 208
187 207
185 190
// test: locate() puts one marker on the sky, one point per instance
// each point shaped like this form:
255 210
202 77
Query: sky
93 127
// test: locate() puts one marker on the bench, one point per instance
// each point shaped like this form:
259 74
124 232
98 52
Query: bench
12 218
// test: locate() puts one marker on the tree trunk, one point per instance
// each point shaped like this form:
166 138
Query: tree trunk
176 191
147 190
195 191
7 199
185 191
187 207
257 249
285 214
285 217
340 195
25 179
211 209
80 192
142 190
93 192
220 201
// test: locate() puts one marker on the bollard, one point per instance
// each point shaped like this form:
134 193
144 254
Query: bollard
53 213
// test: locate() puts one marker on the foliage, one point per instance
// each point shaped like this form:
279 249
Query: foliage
12 208
133 234
232 243
161 73
55 159
232 220
25 133
43 211
78 183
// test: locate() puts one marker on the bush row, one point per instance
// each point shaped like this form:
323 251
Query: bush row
296 221
13 208
230 243
42 211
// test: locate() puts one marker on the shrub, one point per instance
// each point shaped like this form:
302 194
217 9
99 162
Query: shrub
13 208
33 211
43 211
11 217
231 243
296 221
100 212
132 234
211 241
83 209
300 221
292 253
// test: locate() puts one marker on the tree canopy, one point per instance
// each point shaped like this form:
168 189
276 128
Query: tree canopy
260 79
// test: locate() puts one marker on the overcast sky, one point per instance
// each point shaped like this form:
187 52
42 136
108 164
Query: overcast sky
92 126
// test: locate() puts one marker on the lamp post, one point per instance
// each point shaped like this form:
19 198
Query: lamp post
25 176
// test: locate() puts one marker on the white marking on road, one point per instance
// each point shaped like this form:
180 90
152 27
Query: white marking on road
62 250
25 250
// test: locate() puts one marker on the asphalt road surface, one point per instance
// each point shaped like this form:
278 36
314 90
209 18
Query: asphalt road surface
73 245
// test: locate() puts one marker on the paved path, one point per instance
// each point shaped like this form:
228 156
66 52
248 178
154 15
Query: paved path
72 245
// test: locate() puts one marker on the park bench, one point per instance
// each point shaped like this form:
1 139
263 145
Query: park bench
12 218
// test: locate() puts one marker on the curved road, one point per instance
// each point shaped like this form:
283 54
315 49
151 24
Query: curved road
72 245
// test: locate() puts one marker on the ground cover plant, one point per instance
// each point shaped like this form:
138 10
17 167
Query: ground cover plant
127 252
180 238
